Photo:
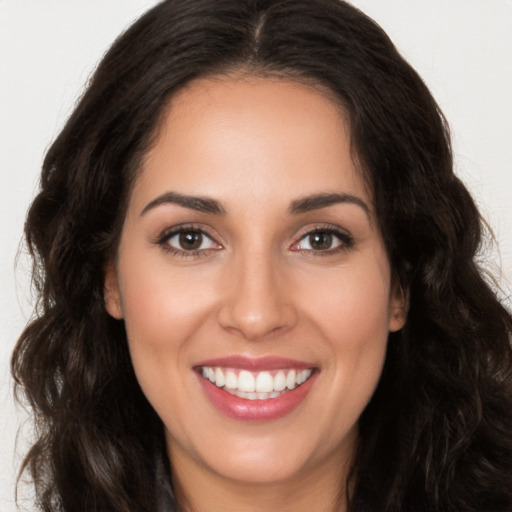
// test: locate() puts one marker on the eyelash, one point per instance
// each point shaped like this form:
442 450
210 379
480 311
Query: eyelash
164 238
345 239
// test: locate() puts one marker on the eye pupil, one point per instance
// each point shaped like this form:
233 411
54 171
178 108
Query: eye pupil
320 241
191 240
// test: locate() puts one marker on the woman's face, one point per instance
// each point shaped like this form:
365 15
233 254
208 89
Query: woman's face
251 260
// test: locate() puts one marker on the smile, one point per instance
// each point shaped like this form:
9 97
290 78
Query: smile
261 385
256 389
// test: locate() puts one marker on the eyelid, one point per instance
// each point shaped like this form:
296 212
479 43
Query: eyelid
168 233
346 240
344 236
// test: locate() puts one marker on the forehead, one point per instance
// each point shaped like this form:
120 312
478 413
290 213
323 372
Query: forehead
252 136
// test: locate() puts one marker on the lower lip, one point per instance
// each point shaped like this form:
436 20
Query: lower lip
256 410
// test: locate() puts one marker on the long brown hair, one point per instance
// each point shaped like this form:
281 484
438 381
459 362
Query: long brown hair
437 433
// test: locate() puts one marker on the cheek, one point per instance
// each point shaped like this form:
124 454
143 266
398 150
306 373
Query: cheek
162 309
351 304
159 300
357 333
351 312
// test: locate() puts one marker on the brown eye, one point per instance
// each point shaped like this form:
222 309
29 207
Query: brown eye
320 241
190 240
324 241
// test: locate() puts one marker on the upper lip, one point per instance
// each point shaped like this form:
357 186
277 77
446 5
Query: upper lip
255 364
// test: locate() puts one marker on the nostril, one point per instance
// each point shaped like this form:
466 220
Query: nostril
255 304
256 325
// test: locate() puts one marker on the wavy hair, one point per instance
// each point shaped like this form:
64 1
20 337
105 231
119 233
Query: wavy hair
437 434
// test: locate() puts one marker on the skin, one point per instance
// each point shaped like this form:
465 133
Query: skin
256 287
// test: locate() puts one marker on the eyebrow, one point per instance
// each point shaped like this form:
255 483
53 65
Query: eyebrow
302 205
200 204
318 201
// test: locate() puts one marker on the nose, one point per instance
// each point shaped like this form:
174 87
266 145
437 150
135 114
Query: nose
258 301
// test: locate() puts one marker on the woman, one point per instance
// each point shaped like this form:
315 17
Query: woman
257 276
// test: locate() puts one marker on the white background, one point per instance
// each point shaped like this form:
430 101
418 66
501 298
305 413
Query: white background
48 49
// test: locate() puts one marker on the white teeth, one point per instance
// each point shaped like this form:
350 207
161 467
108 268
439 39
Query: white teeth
306 374
264 382
280 381
219 378
290 379
302 377
231 380
257 385
246 382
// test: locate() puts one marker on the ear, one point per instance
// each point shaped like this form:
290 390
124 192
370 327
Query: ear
111 293
399 306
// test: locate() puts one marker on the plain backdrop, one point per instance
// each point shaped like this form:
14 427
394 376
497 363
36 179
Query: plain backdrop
48 49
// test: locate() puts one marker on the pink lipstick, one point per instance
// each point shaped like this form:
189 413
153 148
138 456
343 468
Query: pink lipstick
255 389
